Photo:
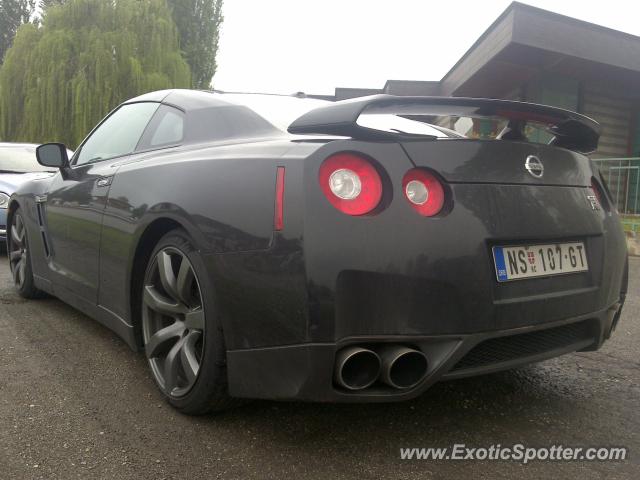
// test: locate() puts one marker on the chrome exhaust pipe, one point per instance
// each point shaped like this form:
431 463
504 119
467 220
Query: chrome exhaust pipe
402 367
356 368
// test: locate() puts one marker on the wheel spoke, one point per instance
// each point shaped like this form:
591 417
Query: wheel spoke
171 364
20 227
161 304
184 281
171 291
15 235
188 357
23 267
17 271
194 319
15 256
167 276
162 339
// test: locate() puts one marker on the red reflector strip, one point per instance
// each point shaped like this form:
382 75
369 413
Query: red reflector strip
278 216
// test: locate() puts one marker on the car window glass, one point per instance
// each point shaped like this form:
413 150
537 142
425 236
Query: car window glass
21 159
279 110
222 123
393 123
170 128
118 134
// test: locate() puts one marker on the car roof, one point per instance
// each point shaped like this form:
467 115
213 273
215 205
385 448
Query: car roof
189 100
18 145
186 100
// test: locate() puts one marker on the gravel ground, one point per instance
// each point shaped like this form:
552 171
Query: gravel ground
75 402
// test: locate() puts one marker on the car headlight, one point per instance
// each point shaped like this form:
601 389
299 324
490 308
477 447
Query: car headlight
4 200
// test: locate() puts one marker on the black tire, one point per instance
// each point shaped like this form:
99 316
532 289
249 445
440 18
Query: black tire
20 258
170 306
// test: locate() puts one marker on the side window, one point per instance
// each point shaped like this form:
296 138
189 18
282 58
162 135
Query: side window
118 134
166 128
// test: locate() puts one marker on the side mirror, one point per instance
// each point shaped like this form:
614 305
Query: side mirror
52 155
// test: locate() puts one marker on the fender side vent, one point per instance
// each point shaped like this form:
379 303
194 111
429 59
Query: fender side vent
43 230
39 210
44 242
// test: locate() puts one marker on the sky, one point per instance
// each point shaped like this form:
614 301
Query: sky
313 46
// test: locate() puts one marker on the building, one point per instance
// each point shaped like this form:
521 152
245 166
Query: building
538 56
534 55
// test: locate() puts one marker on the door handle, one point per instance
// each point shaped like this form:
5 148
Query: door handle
104 181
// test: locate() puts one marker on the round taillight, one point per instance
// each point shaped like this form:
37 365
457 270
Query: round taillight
350 183
345 184
423 191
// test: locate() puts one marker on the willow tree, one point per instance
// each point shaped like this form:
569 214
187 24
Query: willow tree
198 23
44 4
61 78
13 13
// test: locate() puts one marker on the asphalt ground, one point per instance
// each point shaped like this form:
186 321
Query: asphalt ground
75 402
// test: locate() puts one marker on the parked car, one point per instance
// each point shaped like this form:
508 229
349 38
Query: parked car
262 246
17 165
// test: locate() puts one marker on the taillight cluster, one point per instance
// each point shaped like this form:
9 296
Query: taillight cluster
424 192
353 185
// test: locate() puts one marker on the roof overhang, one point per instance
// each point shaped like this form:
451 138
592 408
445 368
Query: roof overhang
525 40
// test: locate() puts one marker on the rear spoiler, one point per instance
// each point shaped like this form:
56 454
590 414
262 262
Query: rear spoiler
570 130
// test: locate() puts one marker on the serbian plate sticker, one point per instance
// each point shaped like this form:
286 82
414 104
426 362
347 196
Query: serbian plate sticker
527 261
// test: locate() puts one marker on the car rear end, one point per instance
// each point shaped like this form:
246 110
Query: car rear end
433 258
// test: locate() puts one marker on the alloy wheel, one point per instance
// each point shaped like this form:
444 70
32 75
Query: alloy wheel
18 250
173 321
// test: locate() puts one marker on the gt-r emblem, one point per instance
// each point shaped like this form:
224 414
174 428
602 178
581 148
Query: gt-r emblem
593 201
534 166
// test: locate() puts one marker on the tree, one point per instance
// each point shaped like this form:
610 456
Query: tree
198 23
44 4
88 56
13 13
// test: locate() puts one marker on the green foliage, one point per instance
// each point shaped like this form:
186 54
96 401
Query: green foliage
44 4
13 13
198 23
88 56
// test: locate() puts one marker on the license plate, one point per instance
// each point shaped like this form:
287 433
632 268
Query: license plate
527 261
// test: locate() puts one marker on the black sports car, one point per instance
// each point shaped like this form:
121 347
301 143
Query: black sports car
261 246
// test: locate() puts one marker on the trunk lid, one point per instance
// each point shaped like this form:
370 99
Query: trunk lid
495 161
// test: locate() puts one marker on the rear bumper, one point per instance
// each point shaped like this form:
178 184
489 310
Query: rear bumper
305 371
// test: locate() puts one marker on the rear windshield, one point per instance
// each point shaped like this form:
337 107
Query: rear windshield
388 122
20 159
491 128
443 127
279 110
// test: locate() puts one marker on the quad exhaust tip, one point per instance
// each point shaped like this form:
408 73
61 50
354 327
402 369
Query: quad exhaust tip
398 366
356 368
402 367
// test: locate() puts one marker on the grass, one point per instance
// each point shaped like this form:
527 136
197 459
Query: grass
631 223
